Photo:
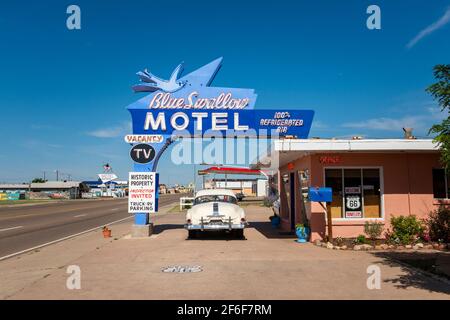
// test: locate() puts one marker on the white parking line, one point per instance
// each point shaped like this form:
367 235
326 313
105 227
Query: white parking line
12 228
62 239
80 215
114 209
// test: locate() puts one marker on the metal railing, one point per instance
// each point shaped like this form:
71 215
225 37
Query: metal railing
185 202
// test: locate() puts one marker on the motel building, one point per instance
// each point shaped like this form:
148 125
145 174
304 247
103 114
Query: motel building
370 180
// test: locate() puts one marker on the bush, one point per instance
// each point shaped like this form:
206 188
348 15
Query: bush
405 229
267 202
361 239
339 241
438 225
373 229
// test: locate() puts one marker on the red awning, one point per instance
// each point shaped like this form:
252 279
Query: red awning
229 170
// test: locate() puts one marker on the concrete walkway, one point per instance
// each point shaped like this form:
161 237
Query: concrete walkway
265 266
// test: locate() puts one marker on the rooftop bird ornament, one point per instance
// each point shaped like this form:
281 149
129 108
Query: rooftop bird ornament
151 83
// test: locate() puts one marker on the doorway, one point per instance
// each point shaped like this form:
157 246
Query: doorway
292 199
289 187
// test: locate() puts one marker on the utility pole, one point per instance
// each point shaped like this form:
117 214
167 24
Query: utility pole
195 178
57 175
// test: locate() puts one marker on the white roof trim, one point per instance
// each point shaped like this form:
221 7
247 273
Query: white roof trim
374 145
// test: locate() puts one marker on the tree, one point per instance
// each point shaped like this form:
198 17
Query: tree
38 180
441 92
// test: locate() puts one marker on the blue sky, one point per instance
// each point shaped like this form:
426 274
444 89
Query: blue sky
63 93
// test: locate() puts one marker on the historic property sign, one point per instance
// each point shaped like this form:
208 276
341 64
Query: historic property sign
142 192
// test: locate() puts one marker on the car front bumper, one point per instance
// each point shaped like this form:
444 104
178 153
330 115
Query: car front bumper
215 226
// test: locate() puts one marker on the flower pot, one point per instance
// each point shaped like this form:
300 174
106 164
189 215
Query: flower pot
275 222
106 233
302 234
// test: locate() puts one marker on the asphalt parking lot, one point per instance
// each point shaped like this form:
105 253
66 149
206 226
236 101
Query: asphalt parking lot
264 266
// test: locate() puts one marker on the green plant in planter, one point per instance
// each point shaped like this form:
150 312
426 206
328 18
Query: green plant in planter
339 241
373 230
438 225
361 239
301 225
405 229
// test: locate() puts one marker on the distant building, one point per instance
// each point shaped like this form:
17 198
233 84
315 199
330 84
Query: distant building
114 188
162 189
58 189
12 191
14 187
249 187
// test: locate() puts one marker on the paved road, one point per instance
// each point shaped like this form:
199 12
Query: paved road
24 227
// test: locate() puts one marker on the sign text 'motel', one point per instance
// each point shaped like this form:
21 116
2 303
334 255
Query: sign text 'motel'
189 106
195 123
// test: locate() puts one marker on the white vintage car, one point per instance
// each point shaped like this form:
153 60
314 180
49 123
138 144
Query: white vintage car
215 210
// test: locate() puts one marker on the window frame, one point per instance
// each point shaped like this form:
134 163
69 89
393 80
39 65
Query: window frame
363 219
446 178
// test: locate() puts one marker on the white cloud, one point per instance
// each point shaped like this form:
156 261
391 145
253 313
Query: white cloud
112 132
319 125
387 124
430 29
420 122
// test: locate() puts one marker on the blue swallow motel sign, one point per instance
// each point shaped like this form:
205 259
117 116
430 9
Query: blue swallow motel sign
188 106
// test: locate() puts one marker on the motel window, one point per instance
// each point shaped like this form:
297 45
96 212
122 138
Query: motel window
441 184
356 192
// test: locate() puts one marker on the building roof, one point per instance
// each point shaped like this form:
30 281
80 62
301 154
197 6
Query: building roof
290 149
375 145
56 185
12 186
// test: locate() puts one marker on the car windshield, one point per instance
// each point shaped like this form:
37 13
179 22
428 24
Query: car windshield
215 198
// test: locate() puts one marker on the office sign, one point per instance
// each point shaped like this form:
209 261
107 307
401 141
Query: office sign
142 153
142 192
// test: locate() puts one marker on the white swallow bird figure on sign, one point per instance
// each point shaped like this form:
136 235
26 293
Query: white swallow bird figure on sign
151 83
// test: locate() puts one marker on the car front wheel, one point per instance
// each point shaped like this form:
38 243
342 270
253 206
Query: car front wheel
239 233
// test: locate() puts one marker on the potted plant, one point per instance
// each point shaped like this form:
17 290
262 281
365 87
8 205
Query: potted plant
106 232
302 231
275 220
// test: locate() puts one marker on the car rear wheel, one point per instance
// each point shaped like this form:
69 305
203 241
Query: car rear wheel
192 234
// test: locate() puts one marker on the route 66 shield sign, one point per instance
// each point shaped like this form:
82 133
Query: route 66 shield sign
353 203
